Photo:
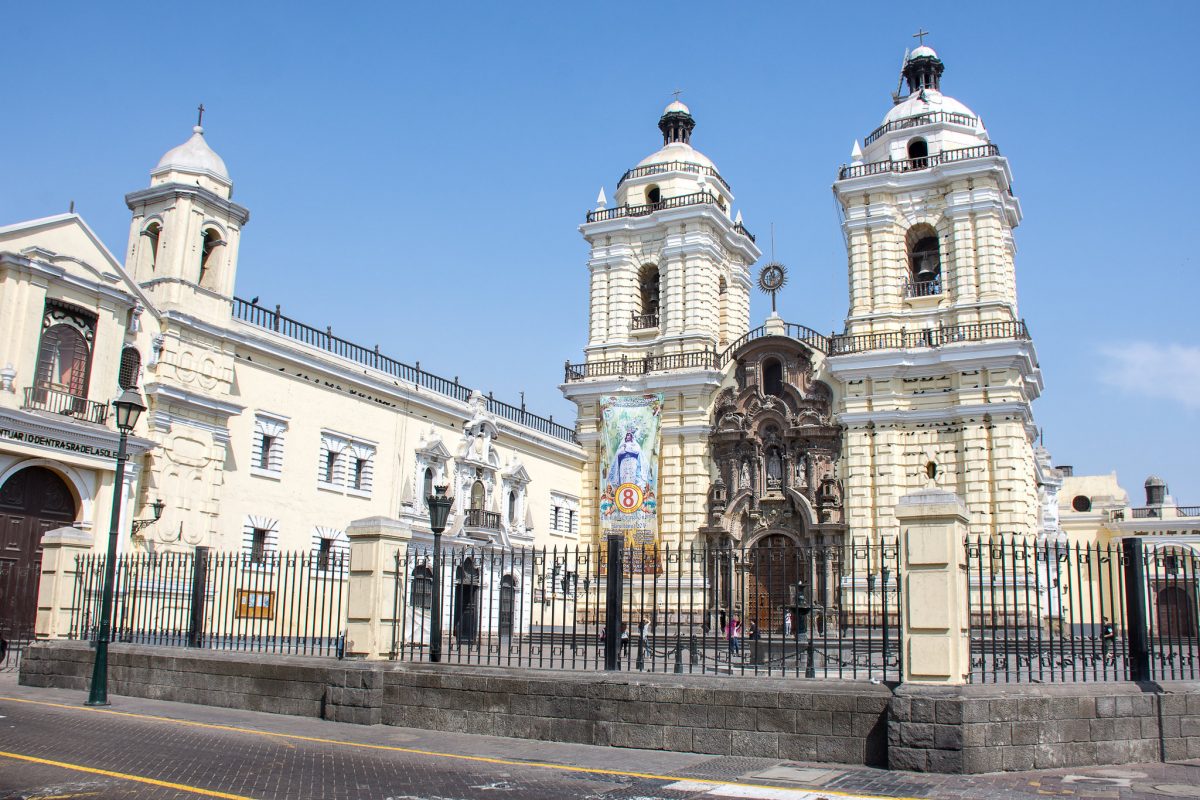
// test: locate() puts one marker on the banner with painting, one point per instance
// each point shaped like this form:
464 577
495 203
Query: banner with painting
629 468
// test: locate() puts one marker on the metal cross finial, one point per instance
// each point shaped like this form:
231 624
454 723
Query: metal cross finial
677 92
921 34
200 118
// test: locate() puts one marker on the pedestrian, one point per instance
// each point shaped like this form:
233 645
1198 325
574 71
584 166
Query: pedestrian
787 623
735 633
752 630
1108 638
624 638
643 629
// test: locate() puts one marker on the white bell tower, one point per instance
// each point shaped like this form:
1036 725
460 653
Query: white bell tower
670 290
183 239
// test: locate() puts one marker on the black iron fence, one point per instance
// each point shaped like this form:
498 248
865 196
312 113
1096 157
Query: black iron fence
920 162
772 609
291 603
18 610
1056 611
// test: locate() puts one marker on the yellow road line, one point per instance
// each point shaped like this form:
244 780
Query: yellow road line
436 754
182 787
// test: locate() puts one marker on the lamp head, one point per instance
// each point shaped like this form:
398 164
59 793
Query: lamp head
129 409
157 507
439 508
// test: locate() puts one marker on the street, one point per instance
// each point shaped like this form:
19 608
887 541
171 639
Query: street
51 746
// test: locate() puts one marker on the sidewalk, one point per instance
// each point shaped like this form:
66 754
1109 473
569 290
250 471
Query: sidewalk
51 725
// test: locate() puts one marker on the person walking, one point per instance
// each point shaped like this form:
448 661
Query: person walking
624 638
735 634
1108 638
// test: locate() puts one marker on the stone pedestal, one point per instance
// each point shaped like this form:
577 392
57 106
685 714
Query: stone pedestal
60 548
371 612
933 525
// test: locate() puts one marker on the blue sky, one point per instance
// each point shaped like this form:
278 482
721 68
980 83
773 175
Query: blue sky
416 173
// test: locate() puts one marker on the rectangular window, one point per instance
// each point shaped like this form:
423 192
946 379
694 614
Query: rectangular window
258 546
324 551
264 451
330 465
347 464
360 464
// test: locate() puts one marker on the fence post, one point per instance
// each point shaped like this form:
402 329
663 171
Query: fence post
60 548
195 635
1137 626
934 625
614 593
370 607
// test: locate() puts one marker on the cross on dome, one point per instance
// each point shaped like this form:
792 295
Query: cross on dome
921 34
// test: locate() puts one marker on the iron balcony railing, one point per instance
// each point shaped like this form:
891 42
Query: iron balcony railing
267 319
922 162
923 288
617 212
921 119
478 518
643 321
833 345
672 166
45 398
740 228
1156 512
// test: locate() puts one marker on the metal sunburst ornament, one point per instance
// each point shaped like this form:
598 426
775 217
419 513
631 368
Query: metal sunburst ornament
771 279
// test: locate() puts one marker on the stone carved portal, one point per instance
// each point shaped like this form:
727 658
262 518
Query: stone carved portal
775 447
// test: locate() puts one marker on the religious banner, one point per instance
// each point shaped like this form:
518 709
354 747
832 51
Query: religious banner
629 468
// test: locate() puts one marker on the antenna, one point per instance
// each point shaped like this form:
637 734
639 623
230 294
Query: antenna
900 83
772 241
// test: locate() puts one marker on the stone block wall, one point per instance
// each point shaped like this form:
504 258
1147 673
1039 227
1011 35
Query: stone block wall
832 721
1011 728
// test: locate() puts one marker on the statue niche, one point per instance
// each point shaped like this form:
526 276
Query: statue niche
775 448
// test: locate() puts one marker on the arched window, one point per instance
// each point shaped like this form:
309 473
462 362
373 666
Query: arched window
478 496
918 154
428 489
131 368
772 371
648 285
422 588
508 596
512 507
924 262
63 360
653 194
152 232
208 251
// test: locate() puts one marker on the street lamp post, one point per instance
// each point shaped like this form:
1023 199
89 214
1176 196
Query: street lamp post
129 407
439 511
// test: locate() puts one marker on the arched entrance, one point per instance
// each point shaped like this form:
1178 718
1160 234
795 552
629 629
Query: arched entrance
1175 616
771 578
32 501
466 602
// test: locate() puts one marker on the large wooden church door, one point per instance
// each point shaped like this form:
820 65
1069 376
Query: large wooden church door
32 501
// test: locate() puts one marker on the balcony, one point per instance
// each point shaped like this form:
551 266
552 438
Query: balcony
617 212
672 166
643 322
48 398
623 367
923 162
1156 512
923 288
921 119
478 518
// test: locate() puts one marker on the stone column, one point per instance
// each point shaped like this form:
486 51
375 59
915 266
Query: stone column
370 610
933 525
60 547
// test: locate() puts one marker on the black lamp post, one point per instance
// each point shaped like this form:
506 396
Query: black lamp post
129 407
439 511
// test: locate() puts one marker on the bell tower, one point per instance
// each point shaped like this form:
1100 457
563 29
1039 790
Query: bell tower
936 362
184 234
669 292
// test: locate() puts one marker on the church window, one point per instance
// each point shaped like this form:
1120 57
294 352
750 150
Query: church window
512 507
208 253
152 233
918 154
428 488
1081 503
422 588
648 286
131 367
653 194
65 353
478 495
266 448
772 371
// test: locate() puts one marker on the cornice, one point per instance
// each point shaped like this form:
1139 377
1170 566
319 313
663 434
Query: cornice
83 437
936 415
238 213
222 409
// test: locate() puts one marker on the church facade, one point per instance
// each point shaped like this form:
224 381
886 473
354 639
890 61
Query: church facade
781 431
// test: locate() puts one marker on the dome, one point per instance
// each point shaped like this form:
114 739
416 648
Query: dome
1154 480
926 102
678 151
194 155
676 107
924 51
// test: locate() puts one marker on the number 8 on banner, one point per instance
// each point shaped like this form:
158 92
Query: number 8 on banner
629 497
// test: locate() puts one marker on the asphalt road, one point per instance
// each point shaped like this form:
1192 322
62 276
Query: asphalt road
51 746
